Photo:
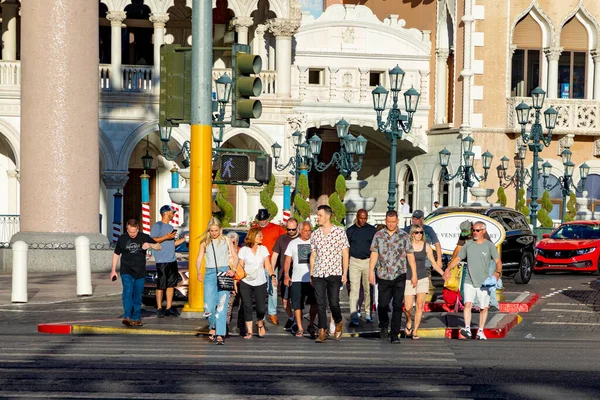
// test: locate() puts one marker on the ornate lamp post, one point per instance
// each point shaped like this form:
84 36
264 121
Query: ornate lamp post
396 124
465 170
521 174
566 181
307 152
536 139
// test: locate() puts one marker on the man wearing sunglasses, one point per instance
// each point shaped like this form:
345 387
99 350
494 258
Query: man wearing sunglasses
277 261
479 253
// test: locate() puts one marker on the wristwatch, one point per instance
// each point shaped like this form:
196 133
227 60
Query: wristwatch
273 276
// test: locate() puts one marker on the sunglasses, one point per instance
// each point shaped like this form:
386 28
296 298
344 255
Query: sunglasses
478 230
418 232
292 230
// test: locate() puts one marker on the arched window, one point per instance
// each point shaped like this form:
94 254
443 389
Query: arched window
443 192
409 188
526 60
572 61
592 186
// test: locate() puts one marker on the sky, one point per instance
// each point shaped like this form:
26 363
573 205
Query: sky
314 6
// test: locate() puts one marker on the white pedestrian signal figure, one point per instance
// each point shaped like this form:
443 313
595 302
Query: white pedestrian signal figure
227 167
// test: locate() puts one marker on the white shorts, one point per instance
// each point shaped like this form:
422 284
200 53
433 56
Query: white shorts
483 295
422 287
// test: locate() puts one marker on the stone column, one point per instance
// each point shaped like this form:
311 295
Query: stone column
59 131
13 191
116 19
159 21
259 47
241 27
553 54
441 85
283 29
596 58
9 29
466 72
114 181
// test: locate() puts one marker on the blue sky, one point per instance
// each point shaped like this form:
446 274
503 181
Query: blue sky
314 6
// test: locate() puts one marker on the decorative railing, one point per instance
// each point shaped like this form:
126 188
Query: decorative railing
134 78
268 78
574 115
10 73
9 225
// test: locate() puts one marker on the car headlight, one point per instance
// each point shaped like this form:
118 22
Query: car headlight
539 252
584 251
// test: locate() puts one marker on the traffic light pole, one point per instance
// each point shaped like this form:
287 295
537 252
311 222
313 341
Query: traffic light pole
201 147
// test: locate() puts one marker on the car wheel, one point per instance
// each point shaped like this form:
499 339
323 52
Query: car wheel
523 275
597 271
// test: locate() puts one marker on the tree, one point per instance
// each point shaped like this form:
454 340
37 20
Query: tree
225 206
571 208
266 198
545 209
501 196
336 200
522 204
301 205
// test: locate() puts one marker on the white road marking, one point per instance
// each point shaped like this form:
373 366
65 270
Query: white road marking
572 304
568 323
567 311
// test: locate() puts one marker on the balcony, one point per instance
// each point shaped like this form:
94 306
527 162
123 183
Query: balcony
575 116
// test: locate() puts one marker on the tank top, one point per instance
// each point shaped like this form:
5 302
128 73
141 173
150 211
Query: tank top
221 251
422 270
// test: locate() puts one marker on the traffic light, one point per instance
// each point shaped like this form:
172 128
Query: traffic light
263 169
245 86
175 85
235 167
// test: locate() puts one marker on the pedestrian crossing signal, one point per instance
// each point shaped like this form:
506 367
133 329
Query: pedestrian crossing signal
235 167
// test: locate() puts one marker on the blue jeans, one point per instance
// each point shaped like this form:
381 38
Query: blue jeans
132 297
272 292
216 301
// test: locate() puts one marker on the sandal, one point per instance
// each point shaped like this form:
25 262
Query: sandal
408 332
300 334
261 330
211 335
248 336
415 337
220 340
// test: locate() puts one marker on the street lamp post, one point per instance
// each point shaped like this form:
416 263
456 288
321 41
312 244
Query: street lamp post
465 171
536 139
521 174
397 123
566 181
307 153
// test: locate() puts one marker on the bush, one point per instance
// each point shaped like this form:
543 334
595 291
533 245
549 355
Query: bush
522 204
301 205
501 196
571 208
226 213
266 198
545 209
336 201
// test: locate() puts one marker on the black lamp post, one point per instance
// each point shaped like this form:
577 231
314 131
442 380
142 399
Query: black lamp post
465 170
397 123
536 139
147 158
566 181
521 174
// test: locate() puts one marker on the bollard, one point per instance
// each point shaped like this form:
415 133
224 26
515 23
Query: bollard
19 272
84 273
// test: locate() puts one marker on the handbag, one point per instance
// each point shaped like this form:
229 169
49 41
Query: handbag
224 282
453 283
240 273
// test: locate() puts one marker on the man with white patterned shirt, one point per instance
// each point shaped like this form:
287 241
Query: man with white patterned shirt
328 270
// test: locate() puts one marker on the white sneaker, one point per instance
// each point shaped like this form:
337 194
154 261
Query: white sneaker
331 328
481 335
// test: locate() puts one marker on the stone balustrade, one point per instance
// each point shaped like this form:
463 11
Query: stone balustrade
10 73
269 79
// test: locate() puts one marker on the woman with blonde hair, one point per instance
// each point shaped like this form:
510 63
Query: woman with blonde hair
422 251
254 258
216 251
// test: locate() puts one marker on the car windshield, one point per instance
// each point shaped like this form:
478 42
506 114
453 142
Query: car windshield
574 231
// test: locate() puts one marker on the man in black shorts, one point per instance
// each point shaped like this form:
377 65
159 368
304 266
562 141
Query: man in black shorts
277 259
301 289
166 261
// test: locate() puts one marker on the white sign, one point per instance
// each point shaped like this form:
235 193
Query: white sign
447 228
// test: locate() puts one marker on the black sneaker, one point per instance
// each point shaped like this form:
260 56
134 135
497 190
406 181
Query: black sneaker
289 324
160 313
312 331
394 339
465 334
172 312
383 334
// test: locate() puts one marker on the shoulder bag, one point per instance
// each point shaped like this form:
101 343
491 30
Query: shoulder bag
224 282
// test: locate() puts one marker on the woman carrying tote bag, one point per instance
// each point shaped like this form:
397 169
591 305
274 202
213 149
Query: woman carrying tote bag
215 249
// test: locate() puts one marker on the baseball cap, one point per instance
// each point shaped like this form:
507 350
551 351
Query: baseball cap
418 214
166 208
465 228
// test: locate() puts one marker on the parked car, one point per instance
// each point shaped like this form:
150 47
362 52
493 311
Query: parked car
573 246
518 246
181 290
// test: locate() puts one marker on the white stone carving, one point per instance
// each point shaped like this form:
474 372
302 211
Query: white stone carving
348 35
565 142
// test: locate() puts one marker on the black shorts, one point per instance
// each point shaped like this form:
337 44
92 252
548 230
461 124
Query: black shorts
302 292
284 291
166 275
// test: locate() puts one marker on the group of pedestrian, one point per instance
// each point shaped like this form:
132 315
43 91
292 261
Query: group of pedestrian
388 267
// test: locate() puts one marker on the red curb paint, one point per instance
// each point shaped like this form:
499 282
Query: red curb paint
505 307
55 329
507 323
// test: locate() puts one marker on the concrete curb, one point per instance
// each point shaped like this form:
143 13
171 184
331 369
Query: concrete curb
497 330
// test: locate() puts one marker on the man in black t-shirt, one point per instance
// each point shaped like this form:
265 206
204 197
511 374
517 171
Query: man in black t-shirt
277 261
131 249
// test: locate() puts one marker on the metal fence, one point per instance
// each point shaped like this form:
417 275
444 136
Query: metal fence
9 225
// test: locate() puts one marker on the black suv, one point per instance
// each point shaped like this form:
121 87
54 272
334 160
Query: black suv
518 246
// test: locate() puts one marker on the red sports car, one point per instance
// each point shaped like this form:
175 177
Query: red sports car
573 246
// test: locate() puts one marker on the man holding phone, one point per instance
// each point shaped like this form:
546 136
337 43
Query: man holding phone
166 261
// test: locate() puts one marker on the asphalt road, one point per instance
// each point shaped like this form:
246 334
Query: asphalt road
553 354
